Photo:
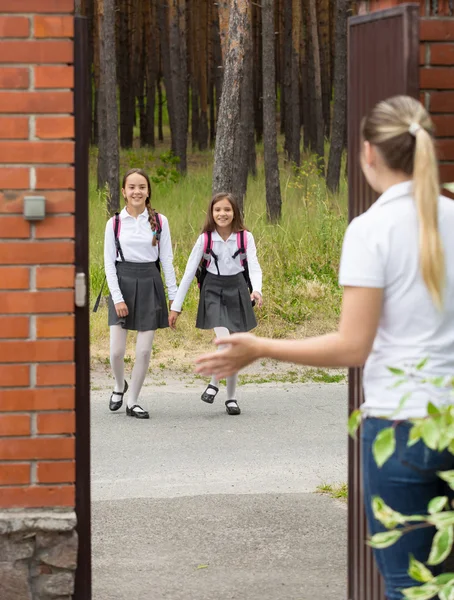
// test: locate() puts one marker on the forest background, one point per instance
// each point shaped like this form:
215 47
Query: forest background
237 95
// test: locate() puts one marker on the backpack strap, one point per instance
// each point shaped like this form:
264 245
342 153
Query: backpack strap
207 248
116 223
241 242
158 226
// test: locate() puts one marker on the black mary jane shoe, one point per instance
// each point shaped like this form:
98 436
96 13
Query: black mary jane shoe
231 408
209 398
116 404
137 411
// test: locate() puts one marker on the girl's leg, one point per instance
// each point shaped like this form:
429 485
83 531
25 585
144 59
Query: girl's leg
144 345
406 482
118 337
223 332
219 332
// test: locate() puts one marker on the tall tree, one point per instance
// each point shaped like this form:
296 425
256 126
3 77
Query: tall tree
273 189
229 110
108 151
319 148
323 10
295 118
340 97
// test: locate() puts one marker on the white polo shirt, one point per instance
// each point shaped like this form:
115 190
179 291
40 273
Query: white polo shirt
381 250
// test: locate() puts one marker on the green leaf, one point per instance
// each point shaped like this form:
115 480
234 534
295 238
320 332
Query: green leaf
449 187
442 520
422 363
433 410
430 433
385 514
444 578
415 434
437 504
418 571
202 566
441 546
402 403
438 381
384 445
395 371
423 592
447 593
384 539
447 476
354 422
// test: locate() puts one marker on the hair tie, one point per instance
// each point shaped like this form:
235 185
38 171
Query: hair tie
414 128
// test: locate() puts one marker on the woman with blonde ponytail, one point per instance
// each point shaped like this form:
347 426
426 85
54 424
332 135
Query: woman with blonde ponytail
136 244
397 271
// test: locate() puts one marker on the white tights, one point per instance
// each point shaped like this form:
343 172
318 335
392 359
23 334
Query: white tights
222 332
144 344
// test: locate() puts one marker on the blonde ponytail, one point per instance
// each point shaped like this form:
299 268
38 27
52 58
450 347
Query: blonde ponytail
402 130
426 191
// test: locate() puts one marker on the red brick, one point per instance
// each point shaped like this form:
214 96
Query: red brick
37 496
32 6
12 78
444 125
14 178
55 227
15 474
54 77
14 327
38 399
442 54
36 102
37 448
436 30
422 54
36 52
14 278
36 152
53 27
56 374
63 201
441 102
14 27
55 326
14 227
445 149
436 78
14 128
54 127
56 423
14 376
54 178
447 173
15 425
26 253
39 351
57 472
36 302
55 277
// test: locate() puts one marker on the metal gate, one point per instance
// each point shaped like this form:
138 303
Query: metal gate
383 60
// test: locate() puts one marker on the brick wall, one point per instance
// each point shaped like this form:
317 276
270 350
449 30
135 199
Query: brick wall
436 79
36 259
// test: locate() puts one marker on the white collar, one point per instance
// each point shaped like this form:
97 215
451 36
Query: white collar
399 190
217 238
125 215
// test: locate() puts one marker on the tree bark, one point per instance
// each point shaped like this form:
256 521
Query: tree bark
229 112
163 11
340 97
325 61
126 80
295 140
224 13
108 151
287 83
202 63
319 149
273 189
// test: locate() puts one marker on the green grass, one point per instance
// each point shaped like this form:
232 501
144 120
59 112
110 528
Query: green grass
338 491
299 256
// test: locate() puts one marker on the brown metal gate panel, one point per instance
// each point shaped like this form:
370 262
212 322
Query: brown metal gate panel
383 61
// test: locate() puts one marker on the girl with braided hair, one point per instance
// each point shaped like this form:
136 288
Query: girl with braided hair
137 243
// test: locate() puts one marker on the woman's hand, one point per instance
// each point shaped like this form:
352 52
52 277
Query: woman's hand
173 316
122 309
242 349
257 296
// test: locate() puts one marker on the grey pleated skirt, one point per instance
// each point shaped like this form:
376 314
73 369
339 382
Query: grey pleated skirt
143 293
225 302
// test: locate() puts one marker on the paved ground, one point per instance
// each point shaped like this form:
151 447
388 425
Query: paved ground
196 505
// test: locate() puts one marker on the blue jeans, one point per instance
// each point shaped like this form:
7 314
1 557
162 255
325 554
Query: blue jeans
406 482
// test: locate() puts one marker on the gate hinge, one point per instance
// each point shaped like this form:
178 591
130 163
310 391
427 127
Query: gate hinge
80 290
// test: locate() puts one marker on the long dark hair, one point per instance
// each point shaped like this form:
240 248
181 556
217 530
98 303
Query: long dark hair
237 223
151 211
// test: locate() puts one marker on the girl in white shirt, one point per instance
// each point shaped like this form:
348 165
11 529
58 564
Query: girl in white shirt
397 269
137 299
225 301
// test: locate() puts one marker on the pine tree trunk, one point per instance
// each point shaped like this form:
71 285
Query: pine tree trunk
152 58
325 60
202 62
108 152
294 148
224 13
163 11
160 110
229 112
319 149
125 79
257 72
288 143
273 189
339 127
